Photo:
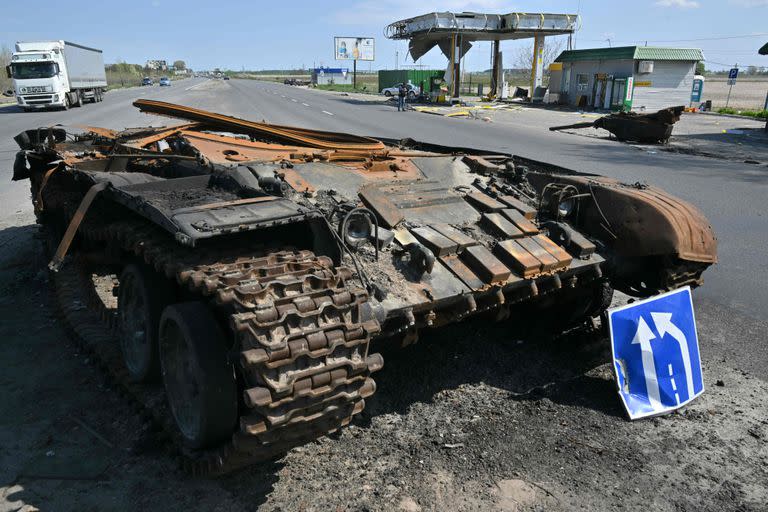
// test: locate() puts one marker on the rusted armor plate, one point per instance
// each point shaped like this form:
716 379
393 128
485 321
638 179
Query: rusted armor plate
527 211
548 262
519 220
458 237
563 258
388 213
463 272
440 245
497 225
515 256
485 264
483 202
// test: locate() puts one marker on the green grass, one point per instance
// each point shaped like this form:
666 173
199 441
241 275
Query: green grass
757 114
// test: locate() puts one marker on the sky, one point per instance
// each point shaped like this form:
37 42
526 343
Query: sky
256 35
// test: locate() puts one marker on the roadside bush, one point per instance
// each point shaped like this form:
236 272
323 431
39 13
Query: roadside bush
5 59
757 114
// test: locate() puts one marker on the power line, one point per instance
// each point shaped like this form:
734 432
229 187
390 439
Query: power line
718 63
710 38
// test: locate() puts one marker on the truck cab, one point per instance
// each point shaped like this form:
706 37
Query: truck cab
56 74
39 76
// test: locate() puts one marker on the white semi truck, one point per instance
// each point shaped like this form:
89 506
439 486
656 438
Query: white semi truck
49 74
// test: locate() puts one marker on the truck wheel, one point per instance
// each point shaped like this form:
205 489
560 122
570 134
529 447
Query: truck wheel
66 102
79 101
199 379
141 297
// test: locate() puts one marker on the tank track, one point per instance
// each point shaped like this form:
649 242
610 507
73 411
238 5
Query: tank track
300 333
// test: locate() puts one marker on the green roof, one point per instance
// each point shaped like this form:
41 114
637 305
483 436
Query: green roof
631 52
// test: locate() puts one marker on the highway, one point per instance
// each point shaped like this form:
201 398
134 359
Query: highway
731 194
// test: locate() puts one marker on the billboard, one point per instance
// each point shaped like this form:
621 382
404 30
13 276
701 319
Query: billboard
354 48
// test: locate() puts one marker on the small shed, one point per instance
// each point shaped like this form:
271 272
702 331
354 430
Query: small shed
327 76
627 77
419 77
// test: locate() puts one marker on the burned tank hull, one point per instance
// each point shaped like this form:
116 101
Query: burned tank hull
253 267
653 128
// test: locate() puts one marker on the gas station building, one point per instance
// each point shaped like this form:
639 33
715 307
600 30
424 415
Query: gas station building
643 78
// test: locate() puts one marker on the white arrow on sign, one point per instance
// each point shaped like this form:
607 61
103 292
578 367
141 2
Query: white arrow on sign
643 336
663 322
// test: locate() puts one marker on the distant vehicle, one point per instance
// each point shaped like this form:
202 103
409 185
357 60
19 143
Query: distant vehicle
295 81
413 90
147 81
56 74
165 81
226 77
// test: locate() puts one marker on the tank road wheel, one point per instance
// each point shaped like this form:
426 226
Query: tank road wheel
199 379
140 301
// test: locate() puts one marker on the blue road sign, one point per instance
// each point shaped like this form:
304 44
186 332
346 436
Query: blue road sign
733 73
656 353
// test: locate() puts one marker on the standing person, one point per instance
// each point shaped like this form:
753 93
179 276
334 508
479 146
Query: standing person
401 92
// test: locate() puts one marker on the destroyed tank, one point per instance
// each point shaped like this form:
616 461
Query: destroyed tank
653 128
231 276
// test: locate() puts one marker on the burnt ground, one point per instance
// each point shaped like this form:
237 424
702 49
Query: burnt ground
470 418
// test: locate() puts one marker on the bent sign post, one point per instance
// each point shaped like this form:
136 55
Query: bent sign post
656 353
733 74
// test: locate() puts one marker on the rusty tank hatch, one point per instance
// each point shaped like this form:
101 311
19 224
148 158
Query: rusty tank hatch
252 267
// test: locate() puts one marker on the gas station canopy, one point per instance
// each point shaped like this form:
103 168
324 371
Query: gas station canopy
437 28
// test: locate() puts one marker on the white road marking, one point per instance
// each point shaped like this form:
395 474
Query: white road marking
305 104
326 112
674 385
195 86
293 100
282 95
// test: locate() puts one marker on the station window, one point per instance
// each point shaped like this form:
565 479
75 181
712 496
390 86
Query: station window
582 82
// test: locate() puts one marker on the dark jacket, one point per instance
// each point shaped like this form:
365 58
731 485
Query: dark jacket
402 91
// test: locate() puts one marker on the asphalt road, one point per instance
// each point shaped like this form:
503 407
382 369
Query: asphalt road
731 194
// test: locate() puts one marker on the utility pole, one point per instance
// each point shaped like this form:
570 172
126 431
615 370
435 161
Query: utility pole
397 54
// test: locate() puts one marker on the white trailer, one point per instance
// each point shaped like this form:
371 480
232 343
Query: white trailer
56 74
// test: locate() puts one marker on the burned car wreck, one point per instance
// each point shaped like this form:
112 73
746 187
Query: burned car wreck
236 273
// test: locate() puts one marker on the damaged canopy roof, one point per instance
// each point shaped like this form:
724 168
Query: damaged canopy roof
434 28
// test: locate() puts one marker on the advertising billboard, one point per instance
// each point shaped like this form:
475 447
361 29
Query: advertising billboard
354 48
